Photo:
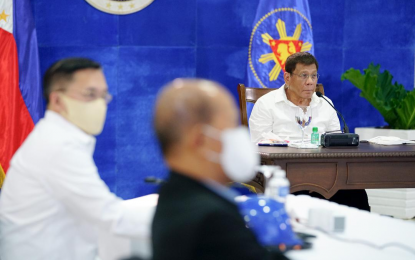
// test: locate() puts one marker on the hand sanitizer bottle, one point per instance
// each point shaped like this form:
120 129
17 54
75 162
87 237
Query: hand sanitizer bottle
315 136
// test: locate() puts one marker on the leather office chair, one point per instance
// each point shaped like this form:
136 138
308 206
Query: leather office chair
251 95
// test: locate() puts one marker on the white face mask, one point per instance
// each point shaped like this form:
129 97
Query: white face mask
88 116
238 157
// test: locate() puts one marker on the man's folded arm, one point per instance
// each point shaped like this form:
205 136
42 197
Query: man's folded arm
260 121
75 182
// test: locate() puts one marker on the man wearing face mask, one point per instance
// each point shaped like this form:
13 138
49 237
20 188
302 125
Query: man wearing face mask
196 122
53 200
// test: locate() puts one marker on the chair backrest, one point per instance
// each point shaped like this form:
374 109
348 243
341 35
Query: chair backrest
251 95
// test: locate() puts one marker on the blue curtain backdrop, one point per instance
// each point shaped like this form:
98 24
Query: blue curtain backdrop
209 38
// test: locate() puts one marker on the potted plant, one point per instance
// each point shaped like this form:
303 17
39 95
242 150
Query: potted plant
397 106
393 101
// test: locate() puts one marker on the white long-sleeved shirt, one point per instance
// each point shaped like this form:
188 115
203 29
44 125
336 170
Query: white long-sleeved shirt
53 200
274 113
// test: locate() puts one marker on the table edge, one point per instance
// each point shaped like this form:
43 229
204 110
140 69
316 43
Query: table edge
335 155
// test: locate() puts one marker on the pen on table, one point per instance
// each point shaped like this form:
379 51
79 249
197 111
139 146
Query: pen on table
283 145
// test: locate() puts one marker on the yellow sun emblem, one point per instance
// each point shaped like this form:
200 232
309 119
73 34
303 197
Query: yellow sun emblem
282 48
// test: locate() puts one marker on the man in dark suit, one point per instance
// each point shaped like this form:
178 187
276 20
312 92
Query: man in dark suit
196 217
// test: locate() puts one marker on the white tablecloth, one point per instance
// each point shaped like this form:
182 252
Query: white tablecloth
360 225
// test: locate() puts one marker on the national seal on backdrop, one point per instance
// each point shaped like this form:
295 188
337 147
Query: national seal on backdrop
120 6
279 30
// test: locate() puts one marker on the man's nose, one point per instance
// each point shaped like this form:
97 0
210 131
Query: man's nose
309 80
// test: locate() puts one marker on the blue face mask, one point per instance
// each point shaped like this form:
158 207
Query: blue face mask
239 156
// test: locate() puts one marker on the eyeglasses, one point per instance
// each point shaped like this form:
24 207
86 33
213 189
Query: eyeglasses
91 95
304 76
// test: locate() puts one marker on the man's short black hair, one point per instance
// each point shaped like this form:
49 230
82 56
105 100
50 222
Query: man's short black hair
299 57
64 70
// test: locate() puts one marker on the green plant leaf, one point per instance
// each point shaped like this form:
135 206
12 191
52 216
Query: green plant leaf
388 95
406 112
363 82
367 84
377 88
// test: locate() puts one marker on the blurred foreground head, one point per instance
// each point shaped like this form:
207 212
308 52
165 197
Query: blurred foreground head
196 123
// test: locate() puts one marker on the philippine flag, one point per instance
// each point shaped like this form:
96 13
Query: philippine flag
21 103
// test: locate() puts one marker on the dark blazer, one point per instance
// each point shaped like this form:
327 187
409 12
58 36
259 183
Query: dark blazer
194 223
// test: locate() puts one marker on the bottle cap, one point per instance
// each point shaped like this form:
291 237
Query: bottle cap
279 173
315 129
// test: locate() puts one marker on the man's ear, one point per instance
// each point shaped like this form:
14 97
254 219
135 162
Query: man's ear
56 103
287 78
196 137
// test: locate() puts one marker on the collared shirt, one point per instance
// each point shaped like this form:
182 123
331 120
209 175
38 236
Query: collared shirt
53 200
274 113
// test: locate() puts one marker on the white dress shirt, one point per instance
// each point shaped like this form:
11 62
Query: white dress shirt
53 201
274 113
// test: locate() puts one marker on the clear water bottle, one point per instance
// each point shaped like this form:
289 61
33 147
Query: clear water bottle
278 186
315 138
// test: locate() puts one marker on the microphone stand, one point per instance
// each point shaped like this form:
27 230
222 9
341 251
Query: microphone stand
345 128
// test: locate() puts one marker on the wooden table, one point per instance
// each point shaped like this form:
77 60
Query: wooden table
327 170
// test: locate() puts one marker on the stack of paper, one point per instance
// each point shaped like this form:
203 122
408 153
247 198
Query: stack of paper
302 146
389 140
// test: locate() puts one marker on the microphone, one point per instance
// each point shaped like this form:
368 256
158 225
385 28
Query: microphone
154 180
345 128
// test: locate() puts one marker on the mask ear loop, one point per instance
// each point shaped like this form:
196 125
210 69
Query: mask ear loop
214 133
211 132
62 97
212 156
